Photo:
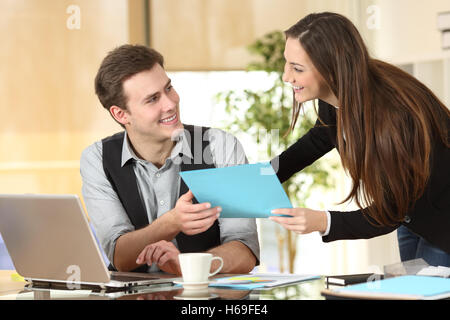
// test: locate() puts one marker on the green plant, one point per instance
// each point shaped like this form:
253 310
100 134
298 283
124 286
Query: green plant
257 113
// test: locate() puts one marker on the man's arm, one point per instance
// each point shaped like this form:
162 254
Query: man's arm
185 217
237 257
114 230
129 245
105 210
120 241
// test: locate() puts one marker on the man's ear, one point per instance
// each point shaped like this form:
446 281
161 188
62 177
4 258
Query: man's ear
119 114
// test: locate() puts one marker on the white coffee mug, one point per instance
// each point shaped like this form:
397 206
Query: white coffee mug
195 267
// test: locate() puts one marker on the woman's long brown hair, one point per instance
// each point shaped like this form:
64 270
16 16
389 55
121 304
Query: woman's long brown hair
386 121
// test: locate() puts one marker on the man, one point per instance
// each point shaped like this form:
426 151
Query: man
143 213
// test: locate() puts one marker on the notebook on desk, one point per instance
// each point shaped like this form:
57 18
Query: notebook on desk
345 280
49 240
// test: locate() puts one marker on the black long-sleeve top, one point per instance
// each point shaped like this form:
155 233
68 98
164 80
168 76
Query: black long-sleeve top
429 217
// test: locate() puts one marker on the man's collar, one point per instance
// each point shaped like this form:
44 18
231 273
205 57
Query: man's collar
127 151
181 148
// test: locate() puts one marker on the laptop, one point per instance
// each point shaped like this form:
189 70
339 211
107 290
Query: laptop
49 240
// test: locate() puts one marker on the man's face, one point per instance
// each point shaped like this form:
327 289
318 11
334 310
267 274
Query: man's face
153 111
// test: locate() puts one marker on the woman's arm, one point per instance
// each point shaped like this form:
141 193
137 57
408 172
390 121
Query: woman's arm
354 225
343 225
318 141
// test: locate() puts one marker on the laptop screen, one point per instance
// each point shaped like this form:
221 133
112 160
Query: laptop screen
48 238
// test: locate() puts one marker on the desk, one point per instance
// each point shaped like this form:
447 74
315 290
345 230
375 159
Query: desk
14 290
7 285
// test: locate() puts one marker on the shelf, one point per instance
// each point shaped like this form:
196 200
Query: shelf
434 72
417 58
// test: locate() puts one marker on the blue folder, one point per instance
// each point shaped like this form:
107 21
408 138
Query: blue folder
422 287
244 191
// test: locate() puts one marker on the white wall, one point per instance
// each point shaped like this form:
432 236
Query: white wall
408 29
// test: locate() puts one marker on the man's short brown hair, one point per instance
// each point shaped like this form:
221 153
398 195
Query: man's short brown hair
120 64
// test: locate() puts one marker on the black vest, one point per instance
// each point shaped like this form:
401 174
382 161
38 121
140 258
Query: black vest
123 180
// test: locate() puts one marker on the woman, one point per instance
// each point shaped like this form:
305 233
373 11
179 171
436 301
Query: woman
391 131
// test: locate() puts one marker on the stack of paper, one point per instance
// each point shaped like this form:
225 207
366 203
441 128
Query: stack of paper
435 271
257 281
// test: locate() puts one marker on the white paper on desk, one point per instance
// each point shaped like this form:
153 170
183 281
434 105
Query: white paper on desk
260 280
439 271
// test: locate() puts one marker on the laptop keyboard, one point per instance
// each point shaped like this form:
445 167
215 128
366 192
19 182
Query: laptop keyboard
123 278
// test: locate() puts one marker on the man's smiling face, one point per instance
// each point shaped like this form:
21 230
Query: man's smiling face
152 105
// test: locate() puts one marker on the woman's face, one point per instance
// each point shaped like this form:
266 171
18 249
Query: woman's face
300 72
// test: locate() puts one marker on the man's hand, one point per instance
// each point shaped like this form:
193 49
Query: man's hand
194 218
164 254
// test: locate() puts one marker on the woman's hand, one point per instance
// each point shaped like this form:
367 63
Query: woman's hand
302 221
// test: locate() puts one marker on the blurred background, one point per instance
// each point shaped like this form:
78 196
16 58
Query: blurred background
51 50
